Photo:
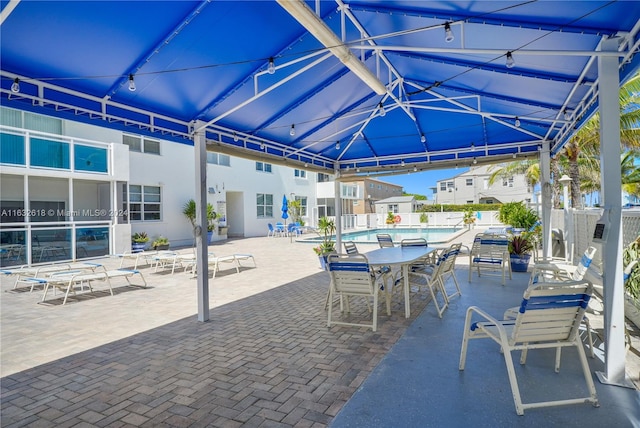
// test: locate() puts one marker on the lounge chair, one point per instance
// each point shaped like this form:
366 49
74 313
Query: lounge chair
25 274
549 317
68 280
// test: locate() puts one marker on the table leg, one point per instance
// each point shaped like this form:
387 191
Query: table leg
405 273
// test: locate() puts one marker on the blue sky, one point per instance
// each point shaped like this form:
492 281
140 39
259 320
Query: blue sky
421 182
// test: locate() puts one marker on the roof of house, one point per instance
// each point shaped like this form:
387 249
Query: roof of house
396 200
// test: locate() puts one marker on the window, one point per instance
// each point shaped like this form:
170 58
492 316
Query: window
89 158
507 182
303 205
12 149
393 208
49 153
218 159
138 144
450 185
323 178
264 205
299 173
443 186
143 202
264 167
485 183
469 202
469 181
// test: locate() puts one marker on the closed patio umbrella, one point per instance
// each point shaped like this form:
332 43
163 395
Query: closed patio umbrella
285 208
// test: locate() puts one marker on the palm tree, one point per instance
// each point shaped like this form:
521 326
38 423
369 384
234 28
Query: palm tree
588 137
580 159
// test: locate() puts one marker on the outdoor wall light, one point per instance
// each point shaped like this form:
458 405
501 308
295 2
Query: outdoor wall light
132 83
272 66
15 86
510 61
292 131
448 34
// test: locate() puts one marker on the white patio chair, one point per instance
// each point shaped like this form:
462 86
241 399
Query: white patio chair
549 317
384 240
432 279
490 252
448 259
351 276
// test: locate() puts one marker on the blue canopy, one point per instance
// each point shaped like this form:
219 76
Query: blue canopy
357 85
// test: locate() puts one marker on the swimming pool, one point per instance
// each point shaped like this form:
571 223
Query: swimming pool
436 235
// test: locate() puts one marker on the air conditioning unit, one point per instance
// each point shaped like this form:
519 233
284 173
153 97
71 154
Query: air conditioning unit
212 190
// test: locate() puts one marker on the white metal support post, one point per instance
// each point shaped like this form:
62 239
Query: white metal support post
338 207
200 231
545 182
608 90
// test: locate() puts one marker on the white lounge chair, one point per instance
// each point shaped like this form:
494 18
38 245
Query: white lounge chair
549 317
67 281
25 274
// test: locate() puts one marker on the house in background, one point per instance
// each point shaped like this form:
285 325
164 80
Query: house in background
397 204
472 187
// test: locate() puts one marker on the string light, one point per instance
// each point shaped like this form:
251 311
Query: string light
448 34
292 131
15 86
423 139
510 61
517 122
132 83
338 145
235 137
272 66
382 110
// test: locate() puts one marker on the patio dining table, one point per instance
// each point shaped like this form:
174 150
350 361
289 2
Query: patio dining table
402 258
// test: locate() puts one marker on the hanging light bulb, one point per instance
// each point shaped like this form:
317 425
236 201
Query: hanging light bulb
565 114
272 66
448 34
514 155
15 86
517 122
402 162
132 83
415 169
292 131
306 165
382 110
262 146
423 139
235 137
475 161
510 61
338 145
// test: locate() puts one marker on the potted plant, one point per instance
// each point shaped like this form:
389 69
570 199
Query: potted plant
139 241
424 219
189 210
469 218
160 243
326 229
520 247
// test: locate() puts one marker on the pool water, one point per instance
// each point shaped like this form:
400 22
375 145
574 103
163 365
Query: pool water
432 235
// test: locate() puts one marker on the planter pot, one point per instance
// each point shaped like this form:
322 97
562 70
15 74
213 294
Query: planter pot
209 237
323 262
161 247
138 247
519 263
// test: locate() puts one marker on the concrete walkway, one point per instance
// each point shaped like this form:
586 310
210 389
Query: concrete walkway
140 358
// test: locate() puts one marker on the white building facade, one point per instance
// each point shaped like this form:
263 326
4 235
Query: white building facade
70 190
